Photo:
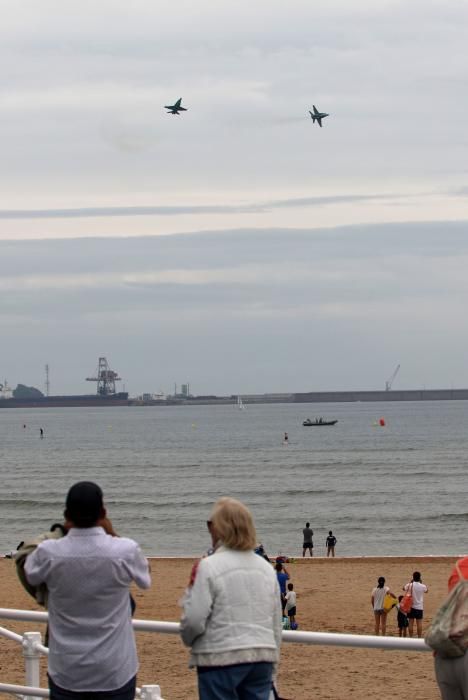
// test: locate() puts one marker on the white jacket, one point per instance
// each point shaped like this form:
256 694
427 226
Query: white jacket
232 613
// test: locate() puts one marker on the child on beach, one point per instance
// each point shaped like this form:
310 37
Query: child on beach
291 605
402 620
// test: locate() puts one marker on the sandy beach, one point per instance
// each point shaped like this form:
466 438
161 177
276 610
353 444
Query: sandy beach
333 595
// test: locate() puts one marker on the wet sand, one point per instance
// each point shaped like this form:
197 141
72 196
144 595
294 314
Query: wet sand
333 595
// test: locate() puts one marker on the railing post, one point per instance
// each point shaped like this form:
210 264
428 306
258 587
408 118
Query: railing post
150 692
31 659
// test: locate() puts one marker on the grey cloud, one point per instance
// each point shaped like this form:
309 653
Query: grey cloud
459 192
99 212
360 296
126 262
220 249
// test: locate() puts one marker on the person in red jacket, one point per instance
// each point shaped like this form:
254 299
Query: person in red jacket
452 674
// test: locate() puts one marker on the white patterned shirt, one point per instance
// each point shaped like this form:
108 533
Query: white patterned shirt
88 574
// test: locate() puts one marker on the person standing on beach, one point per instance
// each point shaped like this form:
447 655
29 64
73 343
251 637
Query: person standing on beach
418 589
452 674
231 614
330 544
307 540
377 599
291 605
283 577
92 650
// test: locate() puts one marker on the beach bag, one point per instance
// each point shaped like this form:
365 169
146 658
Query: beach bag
407 601
39 592
389 602
448 633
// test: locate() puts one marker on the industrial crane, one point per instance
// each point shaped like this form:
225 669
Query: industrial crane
105 378
389 382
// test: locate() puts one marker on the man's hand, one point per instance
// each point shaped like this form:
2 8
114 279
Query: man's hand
106 524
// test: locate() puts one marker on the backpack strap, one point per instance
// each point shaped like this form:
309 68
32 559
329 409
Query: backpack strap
459 571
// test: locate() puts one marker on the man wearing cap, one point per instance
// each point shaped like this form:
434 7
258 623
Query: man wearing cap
92 652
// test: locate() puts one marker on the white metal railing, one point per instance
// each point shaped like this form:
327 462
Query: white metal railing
33 647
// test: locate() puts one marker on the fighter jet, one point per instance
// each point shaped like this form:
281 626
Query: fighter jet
316 115
176 108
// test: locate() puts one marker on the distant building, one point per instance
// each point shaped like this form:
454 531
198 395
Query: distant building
5 391
157 396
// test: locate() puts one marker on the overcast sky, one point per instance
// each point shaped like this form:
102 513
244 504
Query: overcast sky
237 246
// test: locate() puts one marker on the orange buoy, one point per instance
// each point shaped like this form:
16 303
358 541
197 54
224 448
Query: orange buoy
382 422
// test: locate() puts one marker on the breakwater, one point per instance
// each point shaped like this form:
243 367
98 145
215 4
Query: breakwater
318 397
303 397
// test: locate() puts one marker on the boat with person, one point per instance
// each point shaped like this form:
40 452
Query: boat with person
318 422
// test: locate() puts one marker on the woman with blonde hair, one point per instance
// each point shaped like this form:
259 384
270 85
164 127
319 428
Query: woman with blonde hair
231 611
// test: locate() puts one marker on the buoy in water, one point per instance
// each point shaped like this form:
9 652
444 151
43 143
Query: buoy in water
382 422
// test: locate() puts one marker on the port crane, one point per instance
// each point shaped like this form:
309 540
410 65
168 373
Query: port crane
105 378
389 382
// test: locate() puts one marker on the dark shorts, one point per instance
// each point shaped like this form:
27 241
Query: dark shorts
126 692
292 612
307 545
415 614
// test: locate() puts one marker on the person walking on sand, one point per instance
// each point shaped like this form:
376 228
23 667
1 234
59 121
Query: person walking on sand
418 589
307 542
92 651
452 673
377 599
330 544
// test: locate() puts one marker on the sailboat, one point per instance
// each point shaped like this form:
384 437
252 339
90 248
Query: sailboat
240 404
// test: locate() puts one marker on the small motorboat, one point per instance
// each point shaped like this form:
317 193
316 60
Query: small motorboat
318 422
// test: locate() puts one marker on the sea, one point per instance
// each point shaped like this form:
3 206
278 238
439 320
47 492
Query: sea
397 489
